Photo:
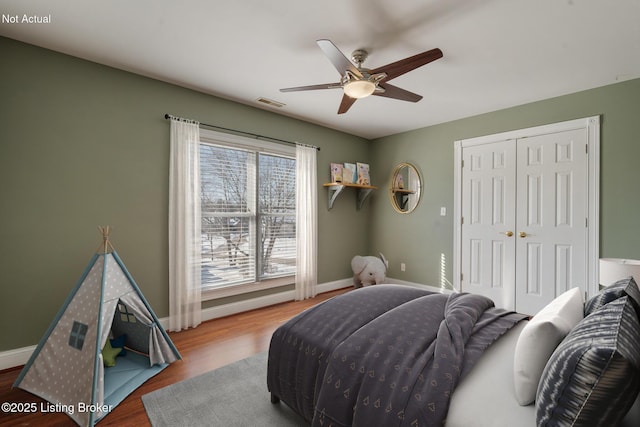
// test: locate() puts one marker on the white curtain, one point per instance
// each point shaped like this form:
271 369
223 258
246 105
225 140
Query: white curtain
306 222
184 226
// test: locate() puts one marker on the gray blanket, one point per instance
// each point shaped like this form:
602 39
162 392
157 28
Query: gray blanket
382 356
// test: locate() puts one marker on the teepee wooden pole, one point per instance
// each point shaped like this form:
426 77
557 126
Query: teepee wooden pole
106 244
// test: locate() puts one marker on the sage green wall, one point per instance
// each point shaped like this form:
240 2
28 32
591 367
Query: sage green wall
83 145
424 239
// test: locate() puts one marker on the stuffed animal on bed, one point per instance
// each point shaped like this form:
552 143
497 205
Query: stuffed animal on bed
369 270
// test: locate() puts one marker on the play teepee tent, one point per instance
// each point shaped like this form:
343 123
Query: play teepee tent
75 366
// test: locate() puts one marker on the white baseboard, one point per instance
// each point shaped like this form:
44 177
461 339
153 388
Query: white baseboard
20 356
17 357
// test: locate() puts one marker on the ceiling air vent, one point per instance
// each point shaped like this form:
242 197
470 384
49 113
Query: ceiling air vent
270 102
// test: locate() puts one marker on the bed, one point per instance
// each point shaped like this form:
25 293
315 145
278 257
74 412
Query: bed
398 355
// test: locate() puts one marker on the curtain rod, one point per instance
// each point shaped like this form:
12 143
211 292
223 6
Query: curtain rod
256 136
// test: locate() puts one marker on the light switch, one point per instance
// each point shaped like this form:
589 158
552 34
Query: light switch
443 211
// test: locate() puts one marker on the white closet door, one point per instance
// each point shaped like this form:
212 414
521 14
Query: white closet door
488 231
551 190
551 224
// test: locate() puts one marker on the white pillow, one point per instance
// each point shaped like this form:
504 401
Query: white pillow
540 337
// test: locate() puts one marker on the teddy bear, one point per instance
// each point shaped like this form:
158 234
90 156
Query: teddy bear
368 270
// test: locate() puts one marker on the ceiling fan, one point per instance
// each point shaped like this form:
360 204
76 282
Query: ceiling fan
358 82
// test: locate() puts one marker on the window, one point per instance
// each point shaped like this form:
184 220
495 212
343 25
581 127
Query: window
248 214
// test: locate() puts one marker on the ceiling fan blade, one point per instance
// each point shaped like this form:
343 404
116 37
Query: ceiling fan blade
346 103
395 92
398 68
312 87
337 58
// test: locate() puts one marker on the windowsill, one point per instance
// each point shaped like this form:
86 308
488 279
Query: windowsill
232 290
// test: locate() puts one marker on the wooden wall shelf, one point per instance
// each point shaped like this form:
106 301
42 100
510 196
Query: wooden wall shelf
403 191
335 188
402 197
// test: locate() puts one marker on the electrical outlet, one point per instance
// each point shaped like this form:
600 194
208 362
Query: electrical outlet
403 266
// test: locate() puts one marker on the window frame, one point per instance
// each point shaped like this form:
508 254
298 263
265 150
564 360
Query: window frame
258 146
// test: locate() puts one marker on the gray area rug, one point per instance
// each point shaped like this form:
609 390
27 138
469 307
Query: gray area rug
232 396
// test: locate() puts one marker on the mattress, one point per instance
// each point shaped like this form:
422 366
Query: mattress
485 397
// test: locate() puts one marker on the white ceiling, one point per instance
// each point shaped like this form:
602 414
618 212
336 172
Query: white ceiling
497 53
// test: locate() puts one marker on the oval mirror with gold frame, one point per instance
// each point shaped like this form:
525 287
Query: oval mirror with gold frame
405 187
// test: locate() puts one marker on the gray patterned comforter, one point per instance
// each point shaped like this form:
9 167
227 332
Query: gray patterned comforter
386 355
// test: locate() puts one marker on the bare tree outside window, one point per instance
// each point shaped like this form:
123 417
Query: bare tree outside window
248 216
277 203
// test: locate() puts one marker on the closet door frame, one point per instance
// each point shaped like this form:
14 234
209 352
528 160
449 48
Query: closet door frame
592 125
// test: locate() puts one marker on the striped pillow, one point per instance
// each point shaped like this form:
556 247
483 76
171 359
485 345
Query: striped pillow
593 377
626 286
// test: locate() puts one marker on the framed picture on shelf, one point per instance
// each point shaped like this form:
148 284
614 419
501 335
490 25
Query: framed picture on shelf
349 174
399 182
336 172
363 174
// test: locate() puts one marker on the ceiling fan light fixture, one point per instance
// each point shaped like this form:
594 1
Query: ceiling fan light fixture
359 88
358 82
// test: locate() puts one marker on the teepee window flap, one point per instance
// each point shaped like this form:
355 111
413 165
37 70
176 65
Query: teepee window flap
125 314
77 335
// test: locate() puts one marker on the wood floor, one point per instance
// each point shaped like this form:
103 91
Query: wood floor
209 346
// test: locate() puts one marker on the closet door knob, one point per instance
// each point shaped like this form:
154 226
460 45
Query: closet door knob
509 233
523 234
